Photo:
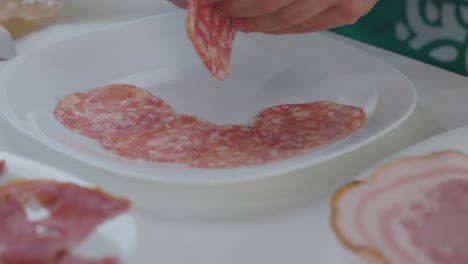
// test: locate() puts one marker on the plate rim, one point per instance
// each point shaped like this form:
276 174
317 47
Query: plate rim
209 177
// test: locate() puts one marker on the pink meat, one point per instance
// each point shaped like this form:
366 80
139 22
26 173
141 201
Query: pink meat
240 146
309 125
212 37
185 138
412 211
113 110
74 212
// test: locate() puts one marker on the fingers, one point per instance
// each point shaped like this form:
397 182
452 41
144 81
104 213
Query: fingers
250 8
329 18
297 12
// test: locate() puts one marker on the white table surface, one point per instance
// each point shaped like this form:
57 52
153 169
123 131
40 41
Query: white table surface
201 221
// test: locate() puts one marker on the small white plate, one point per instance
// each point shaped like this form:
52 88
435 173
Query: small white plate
120 236
451 140
156 54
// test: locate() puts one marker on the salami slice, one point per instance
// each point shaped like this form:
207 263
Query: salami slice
185 138
310 125
73 212
212 37
113 110
240 146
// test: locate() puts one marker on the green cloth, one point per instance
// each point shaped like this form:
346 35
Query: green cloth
431 31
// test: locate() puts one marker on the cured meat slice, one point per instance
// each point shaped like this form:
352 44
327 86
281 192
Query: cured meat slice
413 210
309 125
41 220
185 138
212 36
113 110
240 146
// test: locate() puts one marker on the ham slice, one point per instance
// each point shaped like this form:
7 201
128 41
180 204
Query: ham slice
411 211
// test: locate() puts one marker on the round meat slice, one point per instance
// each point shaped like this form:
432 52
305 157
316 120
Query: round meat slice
240 146
113 110
42 220
408 210
185 138
310 125
212 36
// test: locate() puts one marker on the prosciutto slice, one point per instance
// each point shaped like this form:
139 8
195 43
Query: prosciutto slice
411 211
64 214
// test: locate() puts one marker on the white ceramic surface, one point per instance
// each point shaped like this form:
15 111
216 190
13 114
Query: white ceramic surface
7 46
120 236
266 70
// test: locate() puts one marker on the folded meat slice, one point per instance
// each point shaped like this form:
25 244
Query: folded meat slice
40 221
212 36
411 211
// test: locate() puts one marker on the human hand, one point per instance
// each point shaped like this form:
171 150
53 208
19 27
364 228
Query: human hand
290 16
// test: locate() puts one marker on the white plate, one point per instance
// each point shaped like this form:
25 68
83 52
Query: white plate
156 54
120 236
451 140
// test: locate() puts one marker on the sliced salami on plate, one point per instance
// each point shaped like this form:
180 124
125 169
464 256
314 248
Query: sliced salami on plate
113 110
309 125
185 138
240 146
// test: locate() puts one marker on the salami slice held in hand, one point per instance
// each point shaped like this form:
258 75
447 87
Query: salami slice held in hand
63 215
240 146
212 37
185 138
309 125
113 110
